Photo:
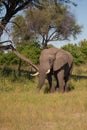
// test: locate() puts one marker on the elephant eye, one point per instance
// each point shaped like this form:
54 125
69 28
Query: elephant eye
50 61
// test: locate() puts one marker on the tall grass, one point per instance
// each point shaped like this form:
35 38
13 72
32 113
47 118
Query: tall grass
21 108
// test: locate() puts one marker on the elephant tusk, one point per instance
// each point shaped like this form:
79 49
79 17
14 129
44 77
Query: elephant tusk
48 71
37 73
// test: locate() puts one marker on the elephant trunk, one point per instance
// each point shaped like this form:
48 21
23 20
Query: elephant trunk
42 75
41 80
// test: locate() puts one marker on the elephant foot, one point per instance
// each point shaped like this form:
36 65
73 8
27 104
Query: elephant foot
52 90
60 90
67 89
57 89
38 90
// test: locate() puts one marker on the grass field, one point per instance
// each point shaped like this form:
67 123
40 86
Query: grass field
21 108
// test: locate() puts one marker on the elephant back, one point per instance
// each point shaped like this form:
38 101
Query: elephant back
50 51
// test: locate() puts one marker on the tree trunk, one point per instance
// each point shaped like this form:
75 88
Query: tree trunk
2 26
4 22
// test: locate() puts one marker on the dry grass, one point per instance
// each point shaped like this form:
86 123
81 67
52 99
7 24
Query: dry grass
24 109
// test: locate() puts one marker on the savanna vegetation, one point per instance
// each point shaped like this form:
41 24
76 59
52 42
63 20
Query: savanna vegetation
21 108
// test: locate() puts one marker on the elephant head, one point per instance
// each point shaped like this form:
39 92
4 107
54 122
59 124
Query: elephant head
50 59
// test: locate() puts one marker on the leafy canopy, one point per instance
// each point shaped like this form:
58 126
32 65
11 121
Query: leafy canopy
79 52
49 24
9 8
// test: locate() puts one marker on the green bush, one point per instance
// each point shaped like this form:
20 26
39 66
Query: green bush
9 59
83 45
75 50
31 51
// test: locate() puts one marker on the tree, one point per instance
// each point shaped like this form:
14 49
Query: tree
60 24
20 30
11 8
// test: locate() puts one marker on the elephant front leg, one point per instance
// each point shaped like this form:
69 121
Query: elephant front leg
51 83
61 82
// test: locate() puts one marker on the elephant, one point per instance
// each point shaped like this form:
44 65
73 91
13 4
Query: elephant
55 64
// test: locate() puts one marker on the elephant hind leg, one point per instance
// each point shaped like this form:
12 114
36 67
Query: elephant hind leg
67 88
61 82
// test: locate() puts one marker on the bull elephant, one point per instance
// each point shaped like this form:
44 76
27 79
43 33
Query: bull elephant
54 64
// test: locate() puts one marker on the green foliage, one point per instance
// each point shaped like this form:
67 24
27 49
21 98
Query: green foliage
8 59
83 45
31 51
20 29
78 52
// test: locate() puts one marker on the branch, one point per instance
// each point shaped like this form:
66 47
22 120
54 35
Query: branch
18 54
52 35
66 1
3 28
22 6
38 5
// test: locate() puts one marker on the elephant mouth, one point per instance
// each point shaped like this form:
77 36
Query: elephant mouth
37 73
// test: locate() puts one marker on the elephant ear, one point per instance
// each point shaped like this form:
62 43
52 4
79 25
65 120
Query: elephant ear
60 61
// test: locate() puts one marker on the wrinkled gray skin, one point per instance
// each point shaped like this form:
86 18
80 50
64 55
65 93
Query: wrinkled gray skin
60 64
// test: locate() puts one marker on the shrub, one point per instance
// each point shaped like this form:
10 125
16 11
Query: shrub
75 50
